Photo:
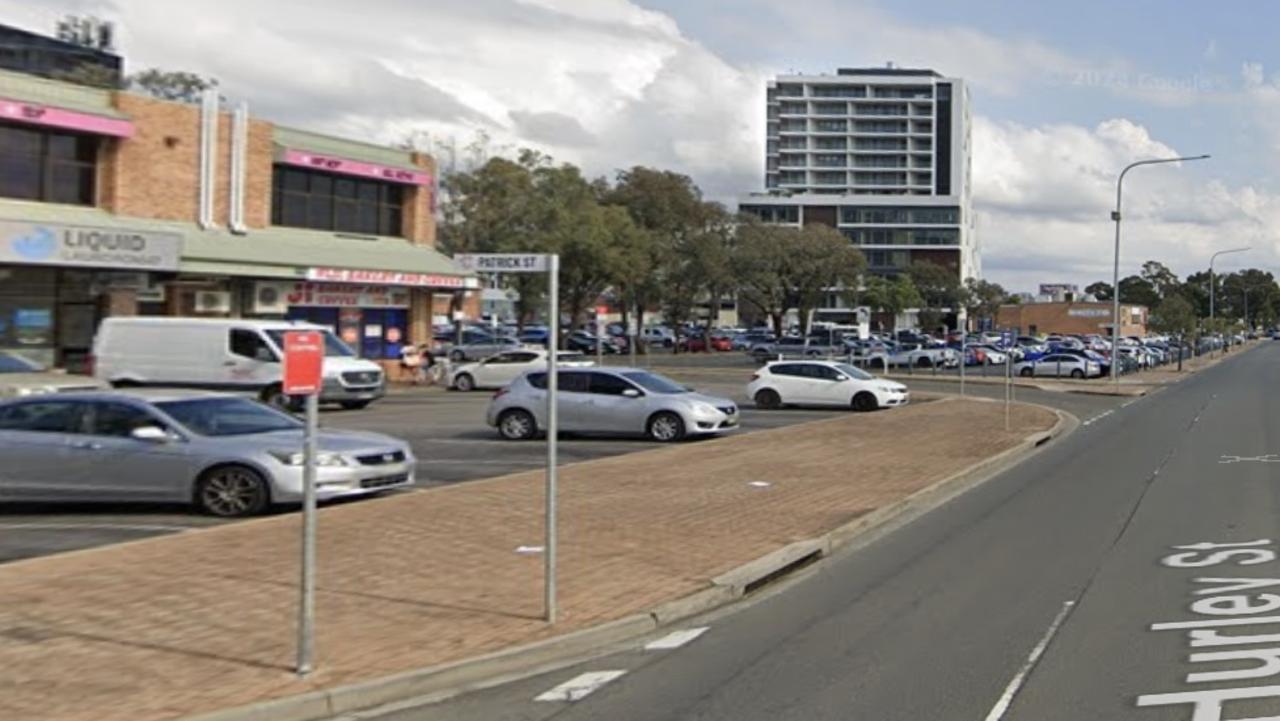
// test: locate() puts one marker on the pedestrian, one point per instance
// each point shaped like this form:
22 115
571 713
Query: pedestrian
410 363
432 369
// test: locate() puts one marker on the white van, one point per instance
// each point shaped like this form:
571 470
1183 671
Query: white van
225 354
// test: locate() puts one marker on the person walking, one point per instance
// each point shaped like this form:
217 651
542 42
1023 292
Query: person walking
410 363
434 370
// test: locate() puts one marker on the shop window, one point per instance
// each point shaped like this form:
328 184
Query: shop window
54 167
304 198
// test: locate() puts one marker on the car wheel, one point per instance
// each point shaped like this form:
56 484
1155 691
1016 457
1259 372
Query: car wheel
457 356
275 397
355 405
517 425
1026 373
1077 373
666 427
768 400
232 492
924 362
464 382
865 401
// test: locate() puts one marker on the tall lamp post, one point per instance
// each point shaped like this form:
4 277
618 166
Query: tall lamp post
1115 276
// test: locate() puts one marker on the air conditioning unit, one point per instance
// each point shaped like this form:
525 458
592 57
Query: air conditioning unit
270 299
213 301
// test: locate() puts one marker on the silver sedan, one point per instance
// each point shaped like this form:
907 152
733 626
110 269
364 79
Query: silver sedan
228 455
611 401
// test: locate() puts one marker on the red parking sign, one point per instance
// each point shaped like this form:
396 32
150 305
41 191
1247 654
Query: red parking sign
303 362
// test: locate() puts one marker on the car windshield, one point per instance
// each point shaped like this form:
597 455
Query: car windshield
855 373
10 363
333 348
227 416
655 383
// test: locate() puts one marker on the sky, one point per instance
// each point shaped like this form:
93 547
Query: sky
1064 96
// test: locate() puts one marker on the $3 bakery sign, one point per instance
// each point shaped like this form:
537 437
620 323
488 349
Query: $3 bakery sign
346 295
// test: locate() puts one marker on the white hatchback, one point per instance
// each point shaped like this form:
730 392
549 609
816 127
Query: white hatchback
823 383
497 371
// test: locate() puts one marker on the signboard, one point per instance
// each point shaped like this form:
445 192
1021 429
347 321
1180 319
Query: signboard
388 277
87 246
346 295
303 362
344 166
1089 312
33 114
503 262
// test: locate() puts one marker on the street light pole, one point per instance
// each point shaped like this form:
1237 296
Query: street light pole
1211 283
1115 275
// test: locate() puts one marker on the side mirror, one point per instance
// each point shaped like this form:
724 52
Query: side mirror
151 434
631 393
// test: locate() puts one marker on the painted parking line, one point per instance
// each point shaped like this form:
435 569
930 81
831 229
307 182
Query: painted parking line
675 639
579 687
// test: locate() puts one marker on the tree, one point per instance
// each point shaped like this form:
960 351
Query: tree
1099 290
940 288
1174 316
1138 290
759 264
892 296
1160 278
820 261
171 84
982 299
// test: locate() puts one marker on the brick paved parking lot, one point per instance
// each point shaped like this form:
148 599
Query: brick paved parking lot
200 621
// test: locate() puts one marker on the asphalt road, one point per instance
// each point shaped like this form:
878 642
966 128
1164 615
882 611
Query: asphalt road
446 430
1037 596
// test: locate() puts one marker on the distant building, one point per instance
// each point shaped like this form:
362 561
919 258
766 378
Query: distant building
1059 292
1071 318
880 154
33 54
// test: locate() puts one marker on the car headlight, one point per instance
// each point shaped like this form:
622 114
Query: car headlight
705 409
37 391
891 389
297 458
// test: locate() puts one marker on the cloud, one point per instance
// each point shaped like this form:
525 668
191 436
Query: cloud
551 128
1043 197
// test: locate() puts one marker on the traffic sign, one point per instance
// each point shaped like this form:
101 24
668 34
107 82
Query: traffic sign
503 262
303 362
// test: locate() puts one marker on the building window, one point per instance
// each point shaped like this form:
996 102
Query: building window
832 143
53 167
774 213
880 126
830 126
322 201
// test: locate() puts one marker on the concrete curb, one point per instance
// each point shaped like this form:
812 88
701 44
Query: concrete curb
436 683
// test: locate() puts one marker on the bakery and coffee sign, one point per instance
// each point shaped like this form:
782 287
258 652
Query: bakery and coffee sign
87 246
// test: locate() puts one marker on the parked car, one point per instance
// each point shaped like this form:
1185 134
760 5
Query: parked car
226 354
924 356
229 455
1059 365
534 335
822 383
795 346
21 376
659 336
584 342
613 401
499 370
475 346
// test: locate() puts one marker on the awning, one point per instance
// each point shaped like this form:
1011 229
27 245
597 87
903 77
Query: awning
36 101
347 157
274 252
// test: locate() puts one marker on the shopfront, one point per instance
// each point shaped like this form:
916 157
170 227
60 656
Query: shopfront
57 281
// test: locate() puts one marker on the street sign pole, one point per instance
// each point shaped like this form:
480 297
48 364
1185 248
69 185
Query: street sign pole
307 608
550 264
303 370
599 338
632 337
962 321
553 428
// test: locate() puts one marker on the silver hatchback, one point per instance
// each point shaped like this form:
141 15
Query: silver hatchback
228 455
610 401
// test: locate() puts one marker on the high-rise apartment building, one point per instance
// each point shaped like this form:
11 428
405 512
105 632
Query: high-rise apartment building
882 155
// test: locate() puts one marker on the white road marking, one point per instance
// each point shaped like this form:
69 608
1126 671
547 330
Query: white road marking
1002 705
1268 458
759 484
675 639
1098 417
140 527
579 687
529 549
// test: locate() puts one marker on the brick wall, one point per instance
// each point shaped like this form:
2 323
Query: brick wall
1071 318
419 215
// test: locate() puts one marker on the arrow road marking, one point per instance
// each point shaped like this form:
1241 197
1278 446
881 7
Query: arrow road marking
579 687
675 639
